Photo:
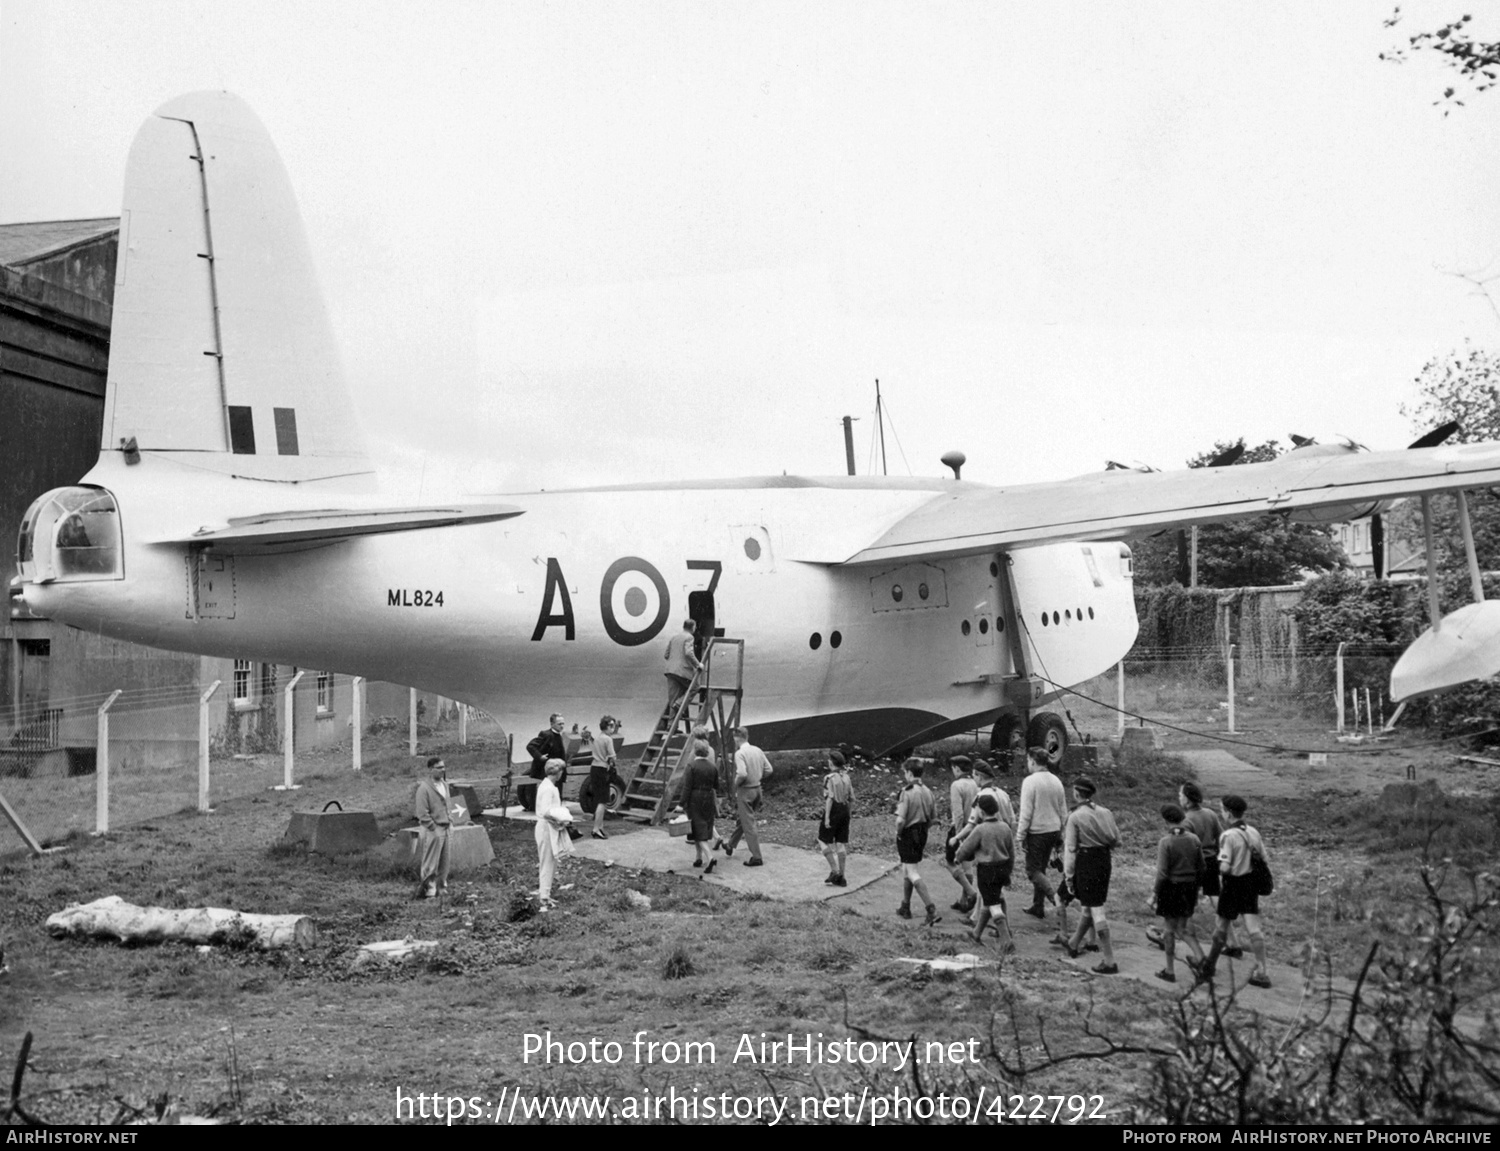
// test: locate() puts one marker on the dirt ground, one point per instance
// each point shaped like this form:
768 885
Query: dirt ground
323 1036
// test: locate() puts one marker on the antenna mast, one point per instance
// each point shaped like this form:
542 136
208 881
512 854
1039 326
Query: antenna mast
880 417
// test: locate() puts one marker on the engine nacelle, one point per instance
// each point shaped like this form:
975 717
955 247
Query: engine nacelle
1337 513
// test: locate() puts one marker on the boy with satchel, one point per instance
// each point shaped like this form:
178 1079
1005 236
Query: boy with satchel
1245 875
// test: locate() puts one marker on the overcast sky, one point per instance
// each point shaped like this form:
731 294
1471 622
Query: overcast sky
599 243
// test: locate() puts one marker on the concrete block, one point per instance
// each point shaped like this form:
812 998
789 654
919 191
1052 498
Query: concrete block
469 847
1143 738
333 832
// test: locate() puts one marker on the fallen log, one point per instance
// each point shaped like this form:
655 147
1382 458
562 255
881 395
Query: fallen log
113 918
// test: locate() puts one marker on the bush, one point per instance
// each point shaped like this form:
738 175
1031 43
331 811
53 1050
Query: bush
679 964
1396 1049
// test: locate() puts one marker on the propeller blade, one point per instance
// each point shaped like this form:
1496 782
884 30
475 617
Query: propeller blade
1438 434
1227 456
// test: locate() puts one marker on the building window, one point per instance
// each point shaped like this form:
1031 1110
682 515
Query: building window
242 681
268 681
325 691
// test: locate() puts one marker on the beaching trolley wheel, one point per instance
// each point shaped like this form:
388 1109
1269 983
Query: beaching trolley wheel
1047 730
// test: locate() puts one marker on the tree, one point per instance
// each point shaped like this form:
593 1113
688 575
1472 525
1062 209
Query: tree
1462 386
1477 62
1262 552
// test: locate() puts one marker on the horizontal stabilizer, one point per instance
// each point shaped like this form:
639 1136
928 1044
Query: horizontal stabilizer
1464 648
326 525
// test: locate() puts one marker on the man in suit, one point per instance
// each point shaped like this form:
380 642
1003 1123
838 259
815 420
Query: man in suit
432 842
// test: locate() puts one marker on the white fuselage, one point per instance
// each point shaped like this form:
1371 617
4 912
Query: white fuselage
570 605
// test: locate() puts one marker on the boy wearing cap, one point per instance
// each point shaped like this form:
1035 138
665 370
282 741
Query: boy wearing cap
961 797
1088 841
1207 826
1240 897
915 811
1179 867
984 776
991 845
833 829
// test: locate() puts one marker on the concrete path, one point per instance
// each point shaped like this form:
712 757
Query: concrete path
796 874
1220 773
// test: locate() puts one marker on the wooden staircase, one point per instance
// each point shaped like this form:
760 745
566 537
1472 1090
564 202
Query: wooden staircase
711 705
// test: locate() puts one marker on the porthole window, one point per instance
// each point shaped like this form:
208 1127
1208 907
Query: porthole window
1091 613
1045 620
984 627
999 625
964 627
1080 613
896 592
922 592
815 642
1068 614
994 569
835 638
752 548
1055 618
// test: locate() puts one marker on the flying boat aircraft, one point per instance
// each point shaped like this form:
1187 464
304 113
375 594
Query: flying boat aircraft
234 511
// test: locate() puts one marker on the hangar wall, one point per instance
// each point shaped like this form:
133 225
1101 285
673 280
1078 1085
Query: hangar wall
56 295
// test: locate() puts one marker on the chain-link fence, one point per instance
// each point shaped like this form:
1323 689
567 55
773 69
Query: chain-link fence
63 772
1275 691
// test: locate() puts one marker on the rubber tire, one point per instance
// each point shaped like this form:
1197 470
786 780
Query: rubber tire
616 794
1047 730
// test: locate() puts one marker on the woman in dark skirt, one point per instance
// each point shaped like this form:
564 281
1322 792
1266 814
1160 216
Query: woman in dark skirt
701 791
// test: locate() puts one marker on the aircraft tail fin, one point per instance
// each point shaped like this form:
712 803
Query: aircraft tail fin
220 341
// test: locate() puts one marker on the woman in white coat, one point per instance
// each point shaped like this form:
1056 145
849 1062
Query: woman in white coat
551 828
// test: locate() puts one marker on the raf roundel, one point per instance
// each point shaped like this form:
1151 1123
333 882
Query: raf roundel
633 601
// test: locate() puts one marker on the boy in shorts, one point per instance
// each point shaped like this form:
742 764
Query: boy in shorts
1179 866
1088 841
1240 896
1207 826
915 811
991 845
961 797
833 830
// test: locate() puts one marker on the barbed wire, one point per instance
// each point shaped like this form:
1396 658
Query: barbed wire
1282 747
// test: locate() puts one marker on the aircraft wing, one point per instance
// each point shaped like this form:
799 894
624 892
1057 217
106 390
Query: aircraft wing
248 533
974 520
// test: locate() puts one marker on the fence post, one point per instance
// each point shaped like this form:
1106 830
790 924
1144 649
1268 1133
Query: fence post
1338 683
101 767
203 745
1229 675
357 715
1120 701
411 723
289 718
463 724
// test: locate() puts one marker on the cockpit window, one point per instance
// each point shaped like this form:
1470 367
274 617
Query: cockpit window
70 534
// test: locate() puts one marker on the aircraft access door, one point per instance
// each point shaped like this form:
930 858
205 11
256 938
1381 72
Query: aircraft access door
701 612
